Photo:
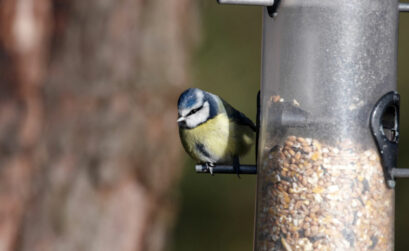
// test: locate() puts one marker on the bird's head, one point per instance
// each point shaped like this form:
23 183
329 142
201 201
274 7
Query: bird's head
195 107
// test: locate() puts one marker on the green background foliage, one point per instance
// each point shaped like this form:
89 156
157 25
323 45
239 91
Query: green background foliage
217 213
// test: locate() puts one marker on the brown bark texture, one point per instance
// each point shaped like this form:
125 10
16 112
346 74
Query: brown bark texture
89 149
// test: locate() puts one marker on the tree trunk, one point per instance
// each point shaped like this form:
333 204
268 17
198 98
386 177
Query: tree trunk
89 149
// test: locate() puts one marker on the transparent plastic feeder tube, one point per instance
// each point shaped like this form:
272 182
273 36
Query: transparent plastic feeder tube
321 186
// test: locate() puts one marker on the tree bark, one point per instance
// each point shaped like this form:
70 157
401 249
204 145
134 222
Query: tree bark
89 152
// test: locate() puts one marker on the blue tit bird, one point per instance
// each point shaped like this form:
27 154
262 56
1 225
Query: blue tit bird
211 130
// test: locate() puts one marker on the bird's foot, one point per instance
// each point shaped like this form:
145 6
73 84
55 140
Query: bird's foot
210 168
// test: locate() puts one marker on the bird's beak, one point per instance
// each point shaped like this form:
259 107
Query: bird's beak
181 119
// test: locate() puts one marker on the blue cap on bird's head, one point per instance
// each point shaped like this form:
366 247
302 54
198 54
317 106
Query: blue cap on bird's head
190 98
195 106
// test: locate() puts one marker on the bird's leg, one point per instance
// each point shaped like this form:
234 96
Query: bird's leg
210 166
236 165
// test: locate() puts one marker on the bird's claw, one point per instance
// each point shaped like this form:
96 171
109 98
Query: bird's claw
210 168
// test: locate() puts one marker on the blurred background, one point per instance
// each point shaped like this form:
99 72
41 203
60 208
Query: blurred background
90 157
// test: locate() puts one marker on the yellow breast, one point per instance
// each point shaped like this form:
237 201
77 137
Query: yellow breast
220 138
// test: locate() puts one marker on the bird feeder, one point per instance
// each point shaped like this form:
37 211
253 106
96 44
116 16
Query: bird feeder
329 125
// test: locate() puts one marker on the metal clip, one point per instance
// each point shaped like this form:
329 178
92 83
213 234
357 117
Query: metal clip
384 123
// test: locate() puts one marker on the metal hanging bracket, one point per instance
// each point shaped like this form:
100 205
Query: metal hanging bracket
384 123
403 7
248 2
272 5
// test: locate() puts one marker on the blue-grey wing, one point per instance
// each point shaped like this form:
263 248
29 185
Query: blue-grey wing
238 116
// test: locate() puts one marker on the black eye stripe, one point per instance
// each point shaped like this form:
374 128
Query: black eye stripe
194 111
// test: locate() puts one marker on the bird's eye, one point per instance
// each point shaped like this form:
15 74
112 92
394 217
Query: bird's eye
194 111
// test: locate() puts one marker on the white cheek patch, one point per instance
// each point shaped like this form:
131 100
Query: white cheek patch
199 117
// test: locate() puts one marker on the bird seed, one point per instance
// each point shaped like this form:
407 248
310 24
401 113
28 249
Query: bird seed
313 196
